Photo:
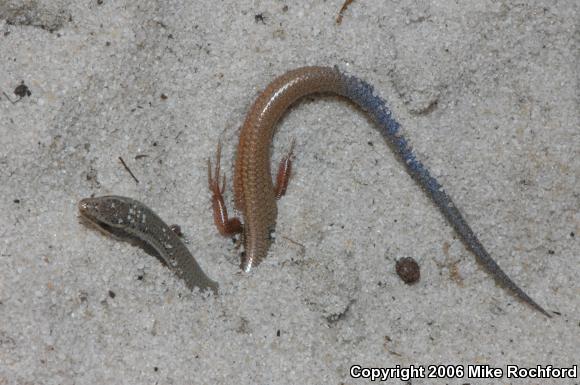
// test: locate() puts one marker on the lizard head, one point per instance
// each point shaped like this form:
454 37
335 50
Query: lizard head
108 213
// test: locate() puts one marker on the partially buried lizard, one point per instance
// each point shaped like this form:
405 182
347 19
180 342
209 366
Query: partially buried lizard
129 220
255 194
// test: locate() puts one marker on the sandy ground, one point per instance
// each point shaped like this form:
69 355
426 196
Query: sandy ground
486 91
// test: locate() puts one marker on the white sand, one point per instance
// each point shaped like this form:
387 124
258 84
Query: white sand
487 94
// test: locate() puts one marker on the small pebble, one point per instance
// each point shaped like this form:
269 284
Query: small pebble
22 90
408 270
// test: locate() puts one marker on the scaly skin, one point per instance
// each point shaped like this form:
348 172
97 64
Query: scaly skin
255 194
128 219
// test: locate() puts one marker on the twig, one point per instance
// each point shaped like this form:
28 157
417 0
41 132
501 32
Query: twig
302 251
342 10
128 170
10 100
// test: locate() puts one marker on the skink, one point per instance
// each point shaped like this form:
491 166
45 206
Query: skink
255 194
130 220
